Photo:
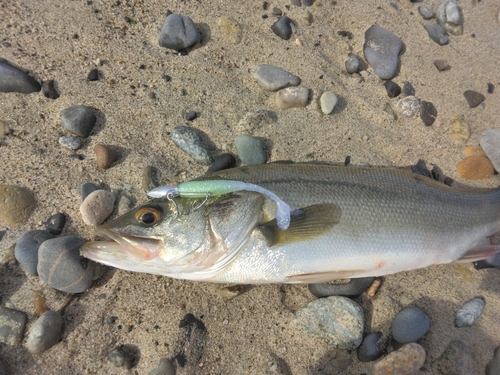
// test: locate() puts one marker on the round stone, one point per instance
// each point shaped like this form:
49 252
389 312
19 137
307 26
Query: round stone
191 115
272 78
382 49
97 207
406 360
45 333
16 204
70 142
292 97
328 101
409 106
475 167
190 141
79 120
26 249
410 325
250 149
105 156
178 32
13 79
372 347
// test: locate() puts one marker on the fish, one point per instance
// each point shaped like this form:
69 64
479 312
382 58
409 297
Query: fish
345 222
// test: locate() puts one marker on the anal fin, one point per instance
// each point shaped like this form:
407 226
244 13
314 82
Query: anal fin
324 277
479 253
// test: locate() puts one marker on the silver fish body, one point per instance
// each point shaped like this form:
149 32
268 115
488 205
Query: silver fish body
348 222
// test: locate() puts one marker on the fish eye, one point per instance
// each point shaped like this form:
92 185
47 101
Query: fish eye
149 215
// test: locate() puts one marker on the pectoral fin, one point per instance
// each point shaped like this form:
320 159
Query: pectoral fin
479 253
306 224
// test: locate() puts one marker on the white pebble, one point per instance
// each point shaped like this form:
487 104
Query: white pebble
292 97
97 207
328 102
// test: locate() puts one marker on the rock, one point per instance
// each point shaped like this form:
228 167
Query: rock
61 266
475 168
441 65
121 357
408 106
328 101
26 250
55 223
272 78
405 361
97 206
469 312
460 131
12 325
449 16
339 320
190 141
229 292
255 120
70 142
352 63
473 151
165 367
16 204
408 89
178 32
224 161
79 120
283 27
437 33
292 97
392 88
490 142
456 360
191 115
231 29
410 325
354 288
86 189
14 79
105 156
474 98
149 178
382 49
491 88
426 13
250 149
493 367
93 75
48 89
372 347
45 333
428 113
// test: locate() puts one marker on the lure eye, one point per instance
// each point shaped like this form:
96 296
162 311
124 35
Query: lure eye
149 215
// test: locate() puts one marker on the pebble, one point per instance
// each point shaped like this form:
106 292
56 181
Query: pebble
490 143
231 28
149 178
408 106
408 89
493 367
449 16
441 65
354 288
491 88
277 12
405 361
255 120
475 168
352 63
178 32
26 250
283 27
460 131
16 204
474 98
97 206
382 49
93 75
392 88
473 151
105 156
191 115
272 78
456 359
428 113
339 320
426 13
79 120
86 189
55 223
250 149
165 367
328 101
469 312
410 325
190 141
70 142
61 266
437 33
45 333
224 161
121 358
372 347
12 325
13 79
292 97
48 89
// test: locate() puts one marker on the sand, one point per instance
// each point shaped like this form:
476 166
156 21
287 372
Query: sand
253 333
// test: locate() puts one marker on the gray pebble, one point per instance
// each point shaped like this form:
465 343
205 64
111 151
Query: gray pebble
16 204
372 347
441 65
491 88
224 161
426 13
178 32
410 325
352 289
408 89
48 89
165 367
277 11
14 79
191 115
328 101
291 97
272 78
493 367
352 63
79 120
474 98
437 33
12 325
490 143
93 75
408 106
45 333
86 189
121 358
190 141
26 250
382 49
449 16
283 27
392 88
70 142
250 149
97 207
456 359
61 266
339 320
428 113
469 312
55 223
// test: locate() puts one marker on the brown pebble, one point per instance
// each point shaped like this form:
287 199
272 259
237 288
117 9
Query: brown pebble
105 156
406 360
475 167
473 151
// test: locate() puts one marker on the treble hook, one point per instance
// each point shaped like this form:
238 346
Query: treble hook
209 195
171 198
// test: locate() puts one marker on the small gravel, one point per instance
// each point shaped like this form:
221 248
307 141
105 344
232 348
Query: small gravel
48 90
191 115
442 65
469 312
70 142
426 13
93 75
352 63
409 106
120 357
428 113
457 359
